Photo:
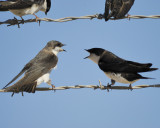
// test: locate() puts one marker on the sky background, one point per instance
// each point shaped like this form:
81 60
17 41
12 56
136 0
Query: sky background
136 40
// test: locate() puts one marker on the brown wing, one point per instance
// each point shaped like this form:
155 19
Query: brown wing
126 6
27 66
40 66
107 7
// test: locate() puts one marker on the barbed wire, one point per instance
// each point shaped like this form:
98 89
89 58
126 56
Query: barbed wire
11 22
100 86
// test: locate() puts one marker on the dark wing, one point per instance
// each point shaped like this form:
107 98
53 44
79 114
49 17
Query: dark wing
133 76
112 8
116 64
139 64
126 6
3 5
40 67
27 66
18 4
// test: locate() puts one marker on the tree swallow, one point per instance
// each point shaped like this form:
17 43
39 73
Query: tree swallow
118 69
38 69
117 8
25 7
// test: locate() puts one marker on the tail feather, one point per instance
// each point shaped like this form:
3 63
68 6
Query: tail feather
152 69
145 65
146 78
146 69
30 88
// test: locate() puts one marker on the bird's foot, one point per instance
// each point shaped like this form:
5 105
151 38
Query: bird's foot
22 21
12 94
16 90
130 87
109 87
37 19
128 16
52 86
17 22
100 16
22 93
49 83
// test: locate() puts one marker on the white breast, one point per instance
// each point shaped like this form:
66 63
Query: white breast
44 6
94 58
118 78
45 78
21 12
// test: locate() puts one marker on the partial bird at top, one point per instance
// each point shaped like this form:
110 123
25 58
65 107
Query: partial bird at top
25 7
117 8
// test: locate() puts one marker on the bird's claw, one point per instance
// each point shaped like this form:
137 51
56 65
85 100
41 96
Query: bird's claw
12 94
39 22
108 87
22 21
17 22
22 93
100 16
128 16
130 87
52 86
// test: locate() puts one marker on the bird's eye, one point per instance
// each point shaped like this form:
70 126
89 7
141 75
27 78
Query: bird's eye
59 45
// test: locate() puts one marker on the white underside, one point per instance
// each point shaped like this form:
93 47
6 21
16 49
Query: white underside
45 78
34 9
94 58
56 50
118 78
114 76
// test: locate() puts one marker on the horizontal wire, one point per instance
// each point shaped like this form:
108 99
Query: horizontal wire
101 87
11 22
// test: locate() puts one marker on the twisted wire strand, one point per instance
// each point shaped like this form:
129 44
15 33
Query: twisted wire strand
101 87
11 22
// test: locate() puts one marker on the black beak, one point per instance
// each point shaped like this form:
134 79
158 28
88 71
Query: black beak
86 57
63 45
86 50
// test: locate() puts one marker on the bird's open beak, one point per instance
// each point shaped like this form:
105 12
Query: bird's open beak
63 49
86 50
86 57
63 45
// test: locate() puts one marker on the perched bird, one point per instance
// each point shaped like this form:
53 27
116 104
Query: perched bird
117 8
38 69
25 7
118 69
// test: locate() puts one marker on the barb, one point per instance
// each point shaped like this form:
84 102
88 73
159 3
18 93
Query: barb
102 87
14 21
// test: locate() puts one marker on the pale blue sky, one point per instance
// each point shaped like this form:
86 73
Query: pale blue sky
136 40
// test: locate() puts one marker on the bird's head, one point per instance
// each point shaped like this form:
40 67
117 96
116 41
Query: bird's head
95 54
55 46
